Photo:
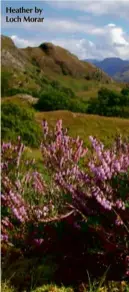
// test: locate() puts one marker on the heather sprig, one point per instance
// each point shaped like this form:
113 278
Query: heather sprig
60 151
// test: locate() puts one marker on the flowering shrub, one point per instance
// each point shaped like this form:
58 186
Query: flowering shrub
105 178
24 194
97 190
100 190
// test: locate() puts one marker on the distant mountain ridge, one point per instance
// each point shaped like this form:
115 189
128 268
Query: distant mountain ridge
113 67
123 74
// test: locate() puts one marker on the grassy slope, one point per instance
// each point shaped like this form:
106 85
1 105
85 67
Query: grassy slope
80 124
86 125
83 88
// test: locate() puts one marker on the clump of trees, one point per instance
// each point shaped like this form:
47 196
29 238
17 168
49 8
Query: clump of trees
110 103
59 99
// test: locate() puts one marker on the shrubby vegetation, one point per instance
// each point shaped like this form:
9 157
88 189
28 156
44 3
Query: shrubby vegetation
14 90
7 89
18 120
60 99
53 96
57 97
56 85
52 100
110 103
5 82
93 223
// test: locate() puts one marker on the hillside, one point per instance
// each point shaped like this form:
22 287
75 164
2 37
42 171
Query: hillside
111 66
12 56
51 58
30 65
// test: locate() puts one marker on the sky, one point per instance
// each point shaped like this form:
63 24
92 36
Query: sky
90 29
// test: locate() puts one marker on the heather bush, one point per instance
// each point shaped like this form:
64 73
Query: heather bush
100 191
93 186
25 196
104 172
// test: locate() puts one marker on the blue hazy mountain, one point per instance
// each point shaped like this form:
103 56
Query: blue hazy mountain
112 66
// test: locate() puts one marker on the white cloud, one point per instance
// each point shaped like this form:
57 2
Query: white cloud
80 47
113 43
110 41
116 40
117 36
111 25
84 48
22 43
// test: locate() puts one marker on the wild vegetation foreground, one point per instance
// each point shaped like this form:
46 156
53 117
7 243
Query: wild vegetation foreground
72 223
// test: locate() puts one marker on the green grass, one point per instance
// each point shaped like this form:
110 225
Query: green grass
110 287
85 125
